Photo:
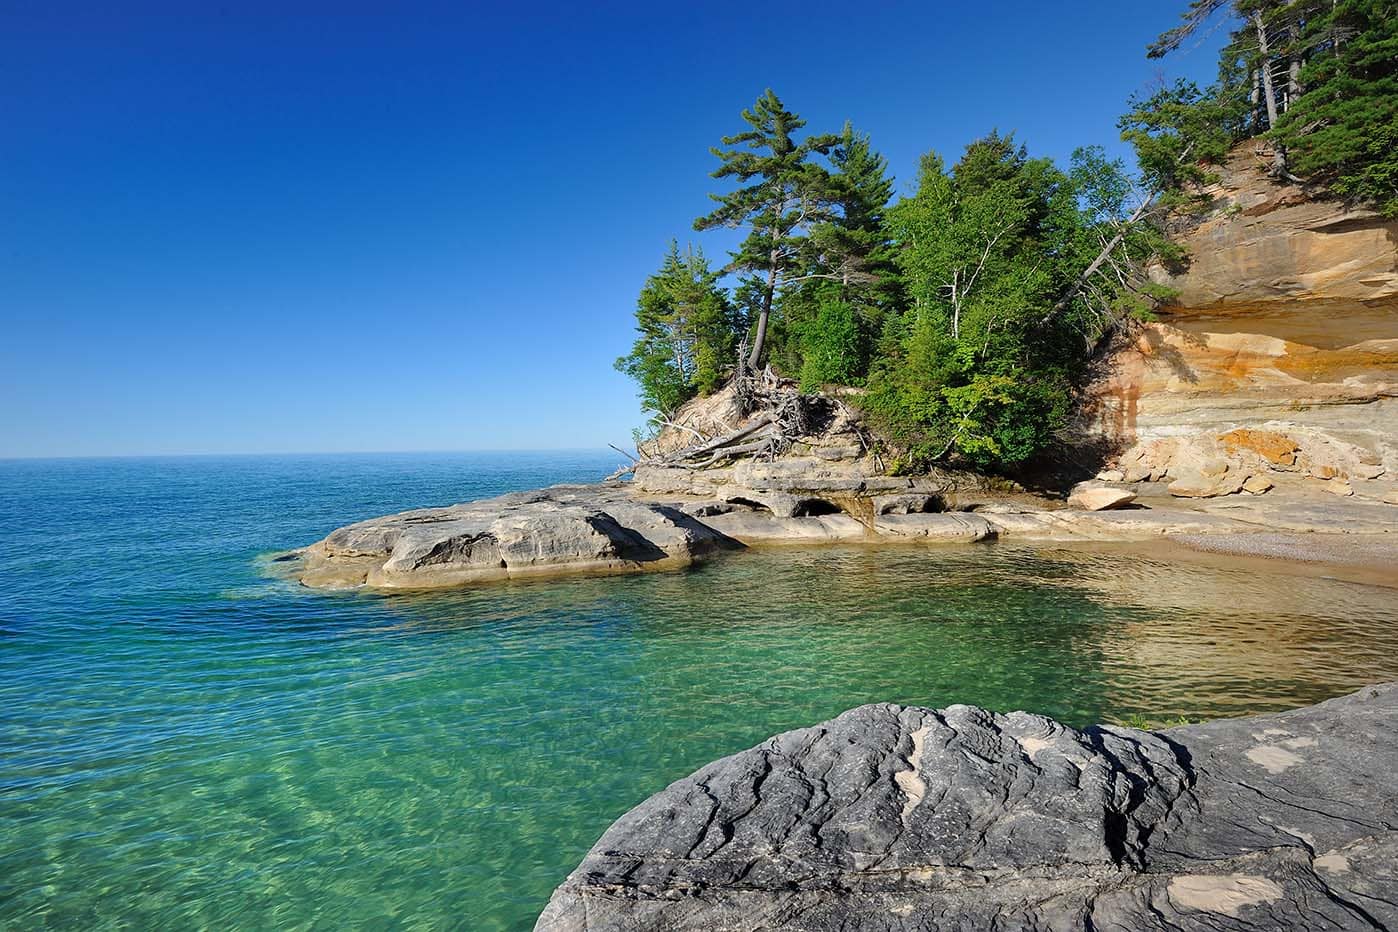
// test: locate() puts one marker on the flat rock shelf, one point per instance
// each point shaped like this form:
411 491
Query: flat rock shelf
618 527
901 818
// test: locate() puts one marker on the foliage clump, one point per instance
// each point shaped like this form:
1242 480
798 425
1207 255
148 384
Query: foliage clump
965 310
686 331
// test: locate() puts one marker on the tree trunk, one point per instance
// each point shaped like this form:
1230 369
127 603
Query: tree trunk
755 357
1255 97
1269 95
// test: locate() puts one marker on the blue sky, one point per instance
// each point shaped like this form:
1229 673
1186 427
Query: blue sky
409 226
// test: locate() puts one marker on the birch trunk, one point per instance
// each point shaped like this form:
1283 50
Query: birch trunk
1269 91
1269 94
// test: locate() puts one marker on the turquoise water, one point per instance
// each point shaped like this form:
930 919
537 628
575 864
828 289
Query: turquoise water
187 740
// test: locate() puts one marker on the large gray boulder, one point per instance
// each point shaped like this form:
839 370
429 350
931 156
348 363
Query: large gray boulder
558 530
900 818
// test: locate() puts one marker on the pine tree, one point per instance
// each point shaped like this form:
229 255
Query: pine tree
686 332
831 315
1342 128
1321 80
783 194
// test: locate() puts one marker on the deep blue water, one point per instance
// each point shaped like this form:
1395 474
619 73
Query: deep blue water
187 740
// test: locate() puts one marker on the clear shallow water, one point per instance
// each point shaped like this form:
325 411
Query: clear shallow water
188 741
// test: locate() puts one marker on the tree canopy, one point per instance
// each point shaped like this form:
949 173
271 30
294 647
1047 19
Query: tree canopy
781 194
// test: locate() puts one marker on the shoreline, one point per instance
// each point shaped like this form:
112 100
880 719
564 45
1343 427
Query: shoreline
611 528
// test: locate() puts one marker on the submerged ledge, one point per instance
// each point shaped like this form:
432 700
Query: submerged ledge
611 527
898 818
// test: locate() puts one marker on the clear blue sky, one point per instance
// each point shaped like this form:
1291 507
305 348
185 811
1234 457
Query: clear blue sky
248 227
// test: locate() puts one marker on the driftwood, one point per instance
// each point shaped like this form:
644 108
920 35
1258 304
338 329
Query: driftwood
786 415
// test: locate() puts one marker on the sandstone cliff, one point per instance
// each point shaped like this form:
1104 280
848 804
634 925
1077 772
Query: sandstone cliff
1270 244
1285 328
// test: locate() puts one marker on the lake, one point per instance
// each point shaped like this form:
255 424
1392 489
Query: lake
187 739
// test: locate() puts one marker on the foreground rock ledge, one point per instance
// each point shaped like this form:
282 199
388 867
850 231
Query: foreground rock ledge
900 818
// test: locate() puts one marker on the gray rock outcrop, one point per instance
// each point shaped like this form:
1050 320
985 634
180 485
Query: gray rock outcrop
900 818
554 531
614 527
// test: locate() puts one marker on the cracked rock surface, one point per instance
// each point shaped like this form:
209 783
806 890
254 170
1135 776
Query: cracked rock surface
901 818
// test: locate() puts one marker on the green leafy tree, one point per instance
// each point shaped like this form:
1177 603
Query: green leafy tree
782 193
979 250
1178 130
686 332
1014 269
832 346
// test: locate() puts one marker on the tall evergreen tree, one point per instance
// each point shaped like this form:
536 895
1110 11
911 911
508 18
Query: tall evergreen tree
1342 128
833 312
782 194
851 246
1321 80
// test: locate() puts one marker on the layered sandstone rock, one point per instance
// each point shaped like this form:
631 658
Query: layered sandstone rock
1090 497
1279 357
1265 243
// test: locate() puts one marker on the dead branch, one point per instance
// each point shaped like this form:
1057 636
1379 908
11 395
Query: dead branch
632 457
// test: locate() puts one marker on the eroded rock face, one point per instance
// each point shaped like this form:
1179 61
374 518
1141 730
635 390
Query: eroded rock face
900 818
1280 350
1205 465
1189 375
1271 243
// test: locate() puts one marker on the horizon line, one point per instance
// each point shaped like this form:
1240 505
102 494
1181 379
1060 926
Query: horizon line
208 455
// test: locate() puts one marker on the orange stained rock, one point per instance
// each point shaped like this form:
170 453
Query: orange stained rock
1274 447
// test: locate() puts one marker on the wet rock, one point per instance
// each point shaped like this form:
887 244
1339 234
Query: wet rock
908 504
899 818
949 526
554 531
754 528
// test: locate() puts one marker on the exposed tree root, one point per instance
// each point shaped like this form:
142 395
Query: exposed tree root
776 415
